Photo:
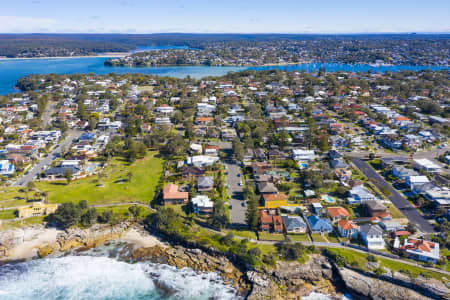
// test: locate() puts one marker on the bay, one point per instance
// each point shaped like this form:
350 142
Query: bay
13 69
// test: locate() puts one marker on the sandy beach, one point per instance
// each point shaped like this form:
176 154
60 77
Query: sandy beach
25 243
141 239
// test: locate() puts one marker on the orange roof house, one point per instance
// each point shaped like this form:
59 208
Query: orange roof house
171 195
275 200
347 228
337 213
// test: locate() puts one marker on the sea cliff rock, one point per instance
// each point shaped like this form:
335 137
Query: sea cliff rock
377 289
293 280
196 259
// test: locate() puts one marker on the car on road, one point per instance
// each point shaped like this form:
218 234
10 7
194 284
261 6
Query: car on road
240 183
243 204
238 174
230 207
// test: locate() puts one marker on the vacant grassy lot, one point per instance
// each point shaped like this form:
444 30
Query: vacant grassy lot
243 233
271 236
317 237
115 187
299 237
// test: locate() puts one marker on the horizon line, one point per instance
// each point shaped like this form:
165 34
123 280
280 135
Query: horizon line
244 33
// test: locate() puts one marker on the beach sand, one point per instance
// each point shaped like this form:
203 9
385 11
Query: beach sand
141 239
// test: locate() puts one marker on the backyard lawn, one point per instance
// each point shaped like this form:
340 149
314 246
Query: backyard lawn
115 185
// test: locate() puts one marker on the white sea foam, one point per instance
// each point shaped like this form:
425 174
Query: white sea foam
102 278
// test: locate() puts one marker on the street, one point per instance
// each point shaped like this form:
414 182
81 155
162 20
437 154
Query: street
47 161
237 211
396 198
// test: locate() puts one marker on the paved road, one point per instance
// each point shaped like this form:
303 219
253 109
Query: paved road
46 161
237 211
396 198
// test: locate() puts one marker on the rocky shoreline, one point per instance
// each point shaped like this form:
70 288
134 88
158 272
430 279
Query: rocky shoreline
285 280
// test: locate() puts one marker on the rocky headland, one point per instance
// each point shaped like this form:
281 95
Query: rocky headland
285 280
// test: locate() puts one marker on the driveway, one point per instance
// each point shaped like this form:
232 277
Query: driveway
396 198
47 161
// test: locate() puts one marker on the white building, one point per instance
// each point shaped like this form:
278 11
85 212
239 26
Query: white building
427 165
303 155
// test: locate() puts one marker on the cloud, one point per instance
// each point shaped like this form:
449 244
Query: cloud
9 24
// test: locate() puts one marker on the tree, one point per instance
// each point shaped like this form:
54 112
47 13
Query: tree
129 175
219 216
411 228
252 208
238 149
66 215
89 217
135 211
30 186
68 175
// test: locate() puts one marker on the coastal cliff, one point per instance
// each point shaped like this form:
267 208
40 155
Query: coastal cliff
285 280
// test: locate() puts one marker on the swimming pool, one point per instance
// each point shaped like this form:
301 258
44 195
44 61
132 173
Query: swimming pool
327 198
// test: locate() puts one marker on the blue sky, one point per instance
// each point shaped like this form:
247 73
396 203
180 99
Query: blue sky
249 16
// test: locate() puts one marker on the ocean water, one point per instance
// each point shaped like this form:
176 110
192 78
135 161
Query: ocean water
12 70
103 278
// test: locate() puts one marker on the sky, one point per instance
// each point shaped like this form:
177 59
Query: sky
224 16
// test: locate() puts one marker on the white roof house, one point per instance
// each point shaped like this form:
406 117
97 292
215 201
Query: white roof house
303 155
427 165
201 160
412 181
202 203
359 194
6 168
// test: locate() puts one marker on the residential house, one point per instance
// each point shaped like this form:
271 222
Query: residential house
317 208
201 160
347 228
191 172
270 221
317 224
359 194
419 249
6 168
402 172
440 198
171 195
413 181
303 155
205 183
202 205
337 213
372 235
375 208
426 165
391 225
294 224
275 200
267 188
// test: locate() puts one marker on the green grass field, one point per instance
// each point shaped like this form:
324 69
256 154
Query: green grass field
243 233
360 258
271 236
299 237
116 187
317 237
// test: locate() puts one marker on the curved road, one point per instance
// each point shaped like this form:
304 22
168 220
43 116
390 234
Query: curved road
396 198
